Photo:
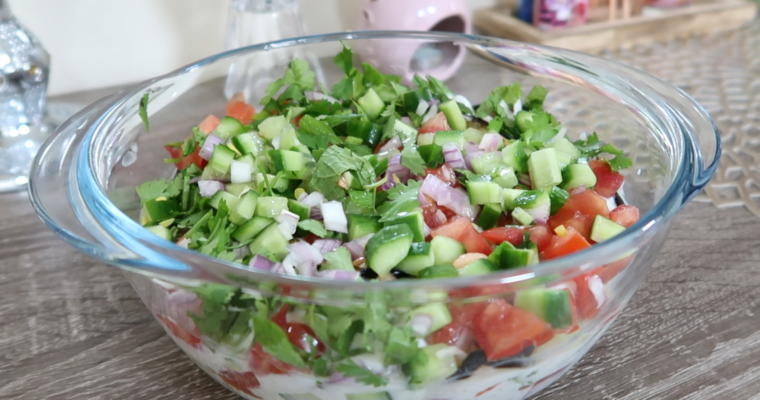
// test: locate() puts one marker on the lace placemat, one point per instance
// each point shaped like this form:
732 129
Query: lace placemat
722 72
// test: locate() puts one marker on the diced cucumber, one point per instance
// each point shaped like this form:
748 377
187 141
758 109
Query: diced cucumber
484 192
567 153
229 198
270 206
161 209
552 305
558 199
450 137
241 172
478 267
438 271
387 248
544 169
424 139
221 159
524 120
446 249
160 231
371 104
439 314
288 138
509 196
505 177
406 129
489 216
243 210
453 115
270 241
302 210
487 163
366 131
577 175
530 199
250 229
362 225
272 127
420 257
292 162
237 189
604 229
431 363
414 220
229 127
413 98
369 396
247 143
280 185
522 216
506 256
473 135
514 156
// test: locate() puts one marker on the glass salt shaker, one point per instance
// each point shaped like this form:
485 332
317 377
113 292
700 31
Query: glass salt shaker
259 21
24 69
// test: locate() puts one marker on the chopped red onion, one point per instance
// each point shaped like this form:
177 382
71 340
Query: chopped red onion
424 201
434 102
490 142
446 196
540 214
304 257
440 217
313 199
472 151
208 146
406 120
209 188
339 275
421 323
396 172
334 216
356 246
392 144
261 262
316 213
525 180
326 245
453 156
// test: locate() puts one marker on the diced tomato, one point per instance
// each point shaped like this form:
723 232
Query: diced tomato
541 236
444 173
561 246
461 229
240 110
310 238
504 331
241 381
194 158
579 212
264 363
611 270
467 259
625 215
503 234
608 182
460 331
209 124
190 338
430 213
297 120
589 294
436 124
301 335
448 213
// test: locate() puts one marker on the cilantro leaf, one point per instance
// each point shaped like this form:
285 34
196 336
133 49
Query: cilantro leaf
440 89
332 164
592 147
143 111
214 316
317 322
536 97
490 105
402 198
275 341
362 199
340 259
620 162
401 347
345 59
351 370
344 89
299 74
372 77
513 93
592 143
160 188
412 159
432 154
313 226
390 127
420 82
495 125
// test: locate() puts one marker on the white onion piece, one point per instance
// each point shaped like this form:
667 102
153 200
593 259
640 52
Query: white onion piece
463 100
325 246
208 146
426 230
524 179
396 172
289 265
288 222
334 217
422 107
503 104
339 275
209 188
453 156
540 214
517 107
184 242
284 229
302 196
446 196
611 203
313 199
561 134
424 201
431 113
356 246
596 285
421 324
240 172
440 217
490 142
261 262
276 142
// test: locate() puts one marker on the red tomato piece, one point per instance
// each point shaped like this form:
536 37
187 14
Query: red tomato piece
611 270
461 229
299 334
297 120
431 213
181 334
209 124
264 363
194 158
240 110
436 124
541 236
503 234
444 173
608 182
625 215
579 212
459 332
561 246
241 381
448 213
504 331
590 295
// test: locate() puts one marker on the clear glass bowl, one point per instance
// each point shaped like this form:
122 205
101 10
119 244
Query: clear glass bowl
83 183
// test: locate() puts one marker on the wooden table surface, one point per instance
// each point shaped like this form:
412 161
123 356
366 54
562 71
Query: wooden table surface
73 328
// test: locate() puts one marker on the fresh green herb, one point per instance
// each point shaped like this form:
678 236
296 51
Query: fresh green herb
340 259
536 97
143 111
432 154
313 226
275 341
592 147
350 369
363 199
440 89
513 93
299 76
214 318
412 159
402 198
332 164
160 188
495 125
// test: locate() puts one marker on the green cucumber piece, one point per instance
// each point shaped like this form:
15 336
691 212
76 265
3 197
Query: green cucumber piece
453 115
362 225
577 175
288 138
404 128
366 131
280 185
544 169
487 163
302 210
506 256
420 257
514 156
387 248
270 206
438 311
371 104
413 98
558 199
425 139
221 159
237 189
505 177
369 396
159 210
353 141
478 267
567 153
522 216
438 271
450 137
229 127
473 135
243 210
446 250
414 220
427 366
247 143
302 396
270 241
604 229
509 196
489 216
292 162
484 192
272 127
160 231
217 198
552 305
251 229
532 199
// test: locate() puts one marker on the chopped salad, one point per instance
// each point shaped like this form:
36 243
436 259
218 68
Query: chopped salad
376 180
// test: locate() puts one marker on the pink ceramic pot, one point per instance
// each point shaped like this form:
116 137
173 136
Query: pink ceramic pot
440 60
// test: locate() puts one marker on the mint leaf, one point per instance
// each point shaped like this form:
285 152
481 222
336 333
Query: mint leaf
345 59
363 199
332 164
275 341
313 226
350 369
412 159
536 97
142 111
620 162
340 259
